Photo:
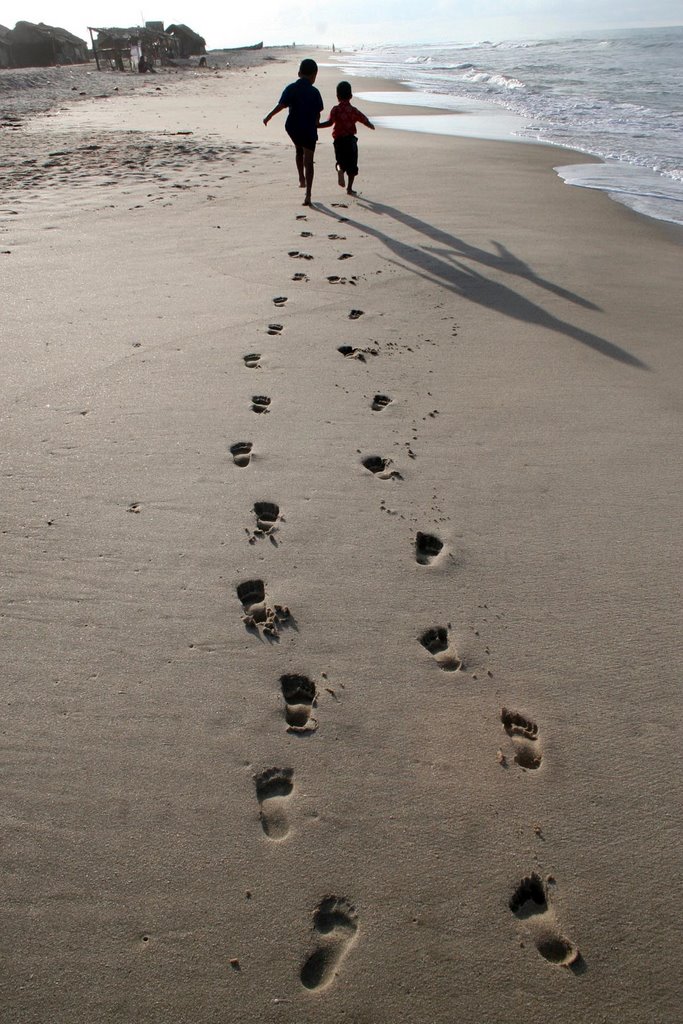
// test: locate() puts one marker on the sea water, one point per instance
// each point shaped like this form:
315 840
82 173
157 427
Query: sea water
617 96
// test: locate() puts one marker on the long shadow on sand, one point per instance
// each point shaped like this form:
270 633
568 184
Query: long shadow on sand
443 266
502 259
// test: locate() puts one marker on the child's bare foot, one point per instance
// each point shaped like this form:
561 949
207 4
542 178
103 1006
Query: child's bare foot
302 183
307 201
340 177
350 192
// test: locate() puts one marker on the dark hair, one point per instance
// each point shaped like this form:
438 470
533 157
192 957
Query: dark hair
308 67
344 91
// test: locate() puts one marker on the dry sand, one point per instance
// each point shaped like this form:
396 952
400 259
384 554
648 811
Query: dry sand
476 773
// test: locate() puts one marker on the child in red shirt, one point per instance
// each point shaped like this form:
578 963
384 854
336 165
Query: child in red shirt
343 119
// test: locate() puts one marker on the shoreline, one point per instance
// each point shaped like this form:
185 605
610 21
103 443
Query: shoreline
243 59
220 400
485 120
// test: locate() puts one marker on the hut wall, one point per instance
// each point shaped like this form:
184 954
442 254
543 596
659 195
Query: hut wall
41 45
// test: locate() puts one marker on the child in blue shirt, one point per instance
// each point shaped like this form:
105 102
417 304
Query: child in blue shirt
305 104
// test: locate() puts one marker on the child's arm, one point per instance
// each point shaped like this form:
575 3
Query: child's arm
274 111
330 121
360 116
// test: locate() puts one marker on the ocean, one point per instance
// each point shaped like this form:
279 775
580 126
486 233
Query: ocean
615 95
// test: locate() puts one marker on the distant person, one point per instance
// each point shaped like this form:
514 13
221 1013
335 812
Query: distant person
135 55
305 104
343 119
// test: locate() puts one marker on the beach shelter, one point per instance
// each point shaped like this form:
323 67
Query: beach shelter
5 47
191 44
113 45
37 46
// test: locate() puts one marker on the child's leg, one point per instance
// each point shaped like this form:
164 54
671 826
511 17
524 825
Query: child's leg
352 165
300 166
339 158
308 175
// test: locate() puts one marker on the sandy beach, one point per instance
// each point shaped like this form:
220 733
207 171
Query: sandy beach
340 624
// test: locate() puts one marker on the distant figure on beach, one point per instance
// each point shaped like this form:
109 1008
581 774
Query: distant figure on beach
343 119
305 104
135 55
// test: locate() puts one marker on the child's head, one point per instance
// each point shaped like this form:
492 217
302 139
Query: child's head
344 91
308 69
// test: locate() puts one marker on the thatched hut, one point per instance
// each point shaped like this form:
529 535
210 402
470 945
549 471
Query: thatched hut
113 46
191 44
38 46
5 47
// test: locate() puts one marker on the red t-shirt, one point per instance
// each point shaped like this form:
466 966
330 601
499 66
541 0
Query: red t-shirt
344 118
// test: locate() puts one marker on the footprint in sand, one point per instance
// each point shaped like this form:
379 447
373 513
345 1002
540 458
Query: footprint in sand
300 277
435 641
252 594
300 697
267 514
427 547
343 206
529 903
252 360
345 256
260 403
380 402
296 255
273 789
275 329
524 735
349 352
280 300
241 452
257 613
381 468
356 314
335 927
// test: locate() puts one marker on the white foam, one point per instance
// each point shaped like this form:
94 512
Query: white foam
619 102
469 118
642 191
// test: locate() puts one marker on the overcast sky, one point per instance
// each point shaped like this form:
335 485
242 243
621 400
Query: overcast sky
352 21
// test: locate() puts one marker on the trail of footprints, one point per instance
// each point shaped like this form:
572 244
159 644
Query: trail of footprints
335 921
335 926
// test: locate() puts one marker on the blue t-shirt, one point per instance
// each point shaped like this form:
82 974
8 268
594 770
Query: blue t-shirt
305 103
